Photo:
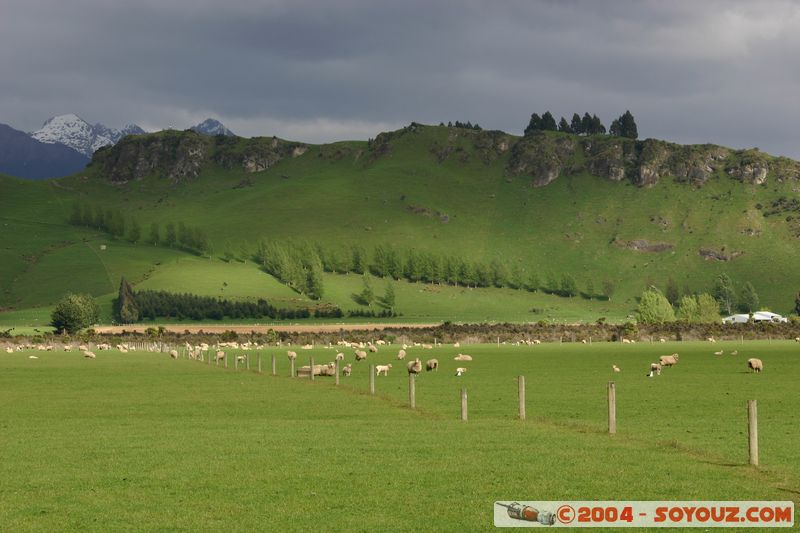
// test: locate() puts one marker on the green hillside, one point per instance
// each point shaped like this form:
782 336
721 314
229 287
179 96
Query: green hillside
602 209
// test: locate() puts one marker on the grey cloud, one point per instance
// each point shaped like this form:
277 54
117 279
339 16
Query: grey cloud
717 71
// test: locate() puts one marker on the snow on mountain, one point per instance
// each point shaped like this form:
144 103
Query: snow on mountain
212 127
73 131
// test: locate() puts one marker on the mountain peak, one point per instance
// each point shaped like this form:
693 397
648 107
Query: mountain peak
212 127
71 130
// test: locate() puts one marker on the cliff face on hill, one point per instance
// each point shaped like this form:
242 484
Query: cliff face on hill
180 156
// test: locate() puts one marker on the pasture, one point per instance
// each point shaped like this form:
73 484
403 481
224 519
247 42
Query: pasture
141 441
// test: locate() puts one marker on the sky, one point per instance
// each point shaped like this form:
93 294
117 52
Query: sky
724 72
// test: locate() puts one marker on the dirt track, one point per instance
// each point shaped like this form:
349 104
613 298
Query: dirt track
243 328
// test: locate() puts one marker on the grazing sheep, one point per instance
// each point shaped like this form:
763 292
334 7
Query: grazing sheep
537 341
754 364
9 349
654 368
583 341
241 358
668 360
462 357
220 355
308 347
735 352
711 339
383 368
432 364
89 355
797 339
457 345
662 339
401 355
719 352
361 355
340 356
32 357
415 366
380 342
427 347
615 368
372 348
347 369
460 370
173 354
83 348
626 341
291 355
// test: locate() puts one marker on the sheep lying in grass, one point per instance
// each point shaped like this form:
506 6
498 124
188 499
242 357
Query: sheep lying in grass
432 364
615 368
383 368
655 368
347 369
427 347
719 352
735 352
32 357
361 355
668 360
89 355
291 355
173 354
457 345
83 348
460 370
462 357
401 355
415 366
755 364
9 349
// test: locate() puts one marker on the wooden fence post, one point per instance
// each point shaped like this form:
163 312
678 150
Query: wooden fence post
521 384
247 361
292 373
372 379
259 363
311 368
464 404
412 391
226 360
236 363
274 368
337 372
752 431
612 408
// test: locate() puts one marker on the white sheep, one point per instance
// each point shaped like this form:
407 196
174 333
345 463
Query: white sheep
668 360
401 355
361 355
220 355
654 368
32 357
615 368
382 368
83 348
380 342
456 345
89 355
583 341
735 352
537 341
427 347
711 339
462 357
662 339
340 356
719 352
173 354
241 358
291 355
9 349
755 364
432 364
347 369
415 366
460 370
626 341
372 348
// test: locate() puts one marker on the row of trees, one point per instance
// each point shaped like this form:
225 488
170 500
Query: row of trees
114 223
298 265
624 126
731 297
131 307
467 125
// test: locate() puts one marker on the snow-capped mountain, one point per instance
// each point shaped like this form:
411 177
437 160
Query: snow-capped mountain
212 127
73 131
24 157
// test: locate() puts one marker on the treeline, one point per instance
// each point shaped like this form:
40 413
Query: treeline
624 126
118 226
131 307
466 125
299 265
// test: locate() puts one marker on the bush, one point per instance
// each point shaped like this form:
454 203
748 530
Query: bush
74 312
654 308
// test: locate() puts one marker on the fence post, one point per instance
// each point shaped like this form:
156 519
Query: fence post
226 360
247 361
311 368
259 363
464 404
291 369
412 390
521 383
752 430
337 372
612 408
236 363
273 366
372 379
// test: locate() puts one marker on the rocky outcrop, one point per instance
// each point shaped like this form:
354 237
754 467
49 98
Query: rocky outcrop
177 156
643 245
541 156
254 155
710 254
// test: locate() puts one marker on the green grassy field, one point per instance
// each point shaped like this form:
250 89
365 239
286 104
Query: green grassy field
139 441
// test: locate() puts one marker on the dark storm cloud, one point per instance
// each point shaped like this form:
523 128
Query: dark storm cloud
717 71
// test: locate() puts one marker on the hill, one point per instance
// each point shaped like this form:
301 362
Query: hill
25 157
606 210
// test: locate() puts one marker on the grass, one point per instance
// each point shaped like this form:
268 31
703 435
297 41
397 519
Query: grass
138 441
